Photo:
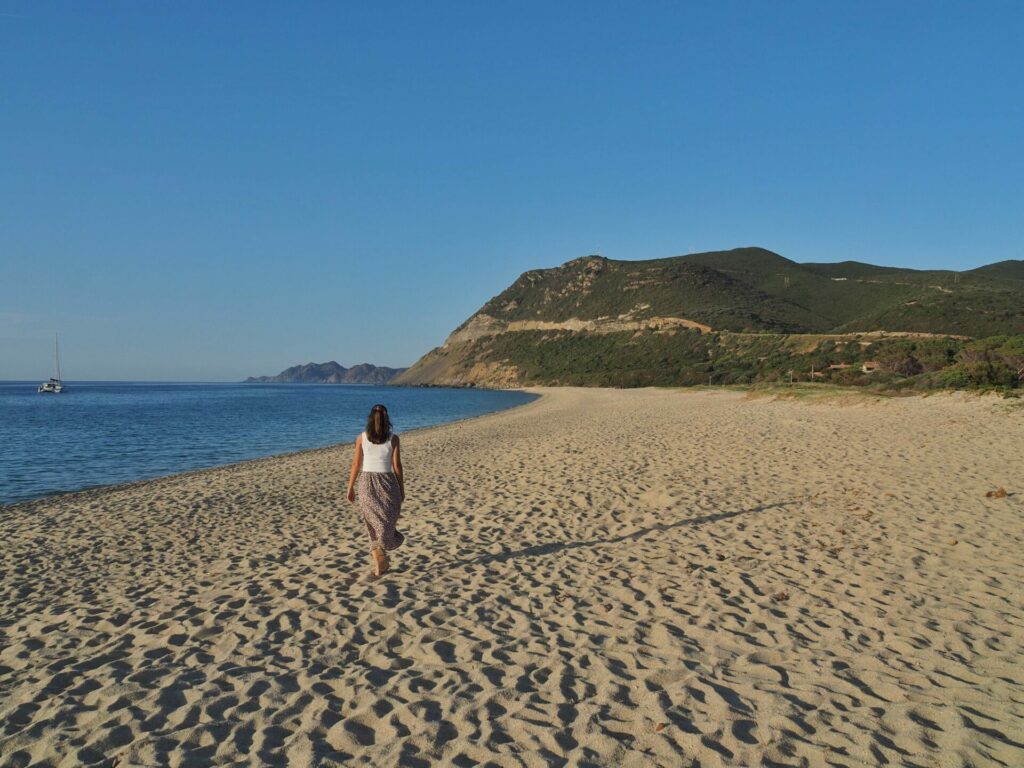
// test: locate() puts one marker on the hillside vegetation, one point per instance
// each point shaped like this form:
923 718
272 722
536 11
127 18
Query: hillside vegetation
752 289
687 357
736 316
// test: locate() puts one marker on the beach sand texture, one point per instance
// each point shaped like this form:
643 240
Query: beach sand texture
613 578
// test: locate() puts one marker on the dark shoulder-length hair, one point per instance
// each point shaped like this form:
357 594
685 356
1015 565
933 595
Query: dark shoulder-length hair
378 425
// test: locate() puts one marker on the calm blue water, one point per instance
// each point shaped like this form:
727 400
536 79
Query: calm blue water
98 433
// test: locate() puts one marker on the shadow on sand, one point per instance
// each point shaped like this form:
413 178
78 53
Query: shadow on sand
565 546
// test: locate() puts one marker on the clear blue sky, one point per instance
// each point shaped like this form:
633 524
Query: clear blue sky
204 191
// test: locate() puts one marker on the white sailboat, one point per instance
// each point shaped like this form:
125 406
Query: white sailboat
54 385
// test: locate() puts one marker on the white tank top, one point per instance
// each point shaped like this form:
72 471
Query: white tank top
377 458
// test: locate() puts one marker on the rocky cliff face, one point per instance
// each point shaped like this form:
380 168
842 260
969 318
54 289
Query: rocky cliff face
330 373
461 364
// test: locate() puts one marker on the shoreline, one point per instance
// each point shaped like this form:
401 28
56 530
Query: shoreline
89 491
830 395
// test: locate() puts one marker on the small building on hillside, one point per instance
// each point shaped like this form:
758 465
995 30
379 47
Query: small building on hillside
870 366
828 369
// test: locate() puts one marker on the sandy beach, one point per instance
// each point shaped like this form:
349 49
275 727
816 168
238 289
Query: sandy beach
601 577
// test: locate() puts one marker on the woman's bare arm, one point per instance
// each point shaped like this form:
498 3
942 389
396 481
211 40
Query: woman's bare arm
357 463
396 464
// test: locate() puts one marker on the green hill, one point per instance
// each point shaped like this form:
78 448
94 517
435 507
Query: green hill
595 287
602 311
752 289
1012 269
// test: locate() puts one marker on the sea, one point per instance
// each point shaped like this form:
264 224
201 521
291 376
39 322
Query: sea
102 433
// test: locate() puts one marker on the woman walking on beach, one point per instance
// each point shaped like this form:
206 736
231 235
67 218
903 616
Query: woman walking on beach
376 478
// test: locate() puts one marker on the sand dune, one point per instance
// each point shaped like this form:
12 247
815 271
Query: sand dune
614 578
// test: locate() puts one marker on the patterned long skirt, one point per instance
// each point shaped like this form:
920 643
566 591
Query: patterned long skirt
380 503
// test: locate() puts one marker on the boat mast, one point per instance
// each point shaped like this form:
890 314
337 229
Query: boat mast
56 354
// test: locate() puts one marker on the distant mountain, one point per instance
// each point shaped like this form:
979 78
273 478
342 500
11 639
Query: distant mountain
740 291
330 373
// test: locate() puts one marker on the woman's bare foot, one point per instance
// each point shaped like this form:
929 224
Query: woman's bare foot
380 561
